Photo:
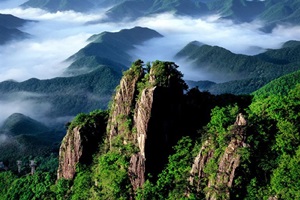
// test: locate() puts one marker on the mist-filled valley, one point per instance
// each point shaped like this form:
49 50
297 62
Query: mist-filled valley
89 67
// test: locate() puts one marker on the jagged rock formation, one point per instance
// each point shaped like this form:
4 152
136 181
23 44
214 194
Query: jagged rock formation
69 154
124 101
227 163
197 171
151 102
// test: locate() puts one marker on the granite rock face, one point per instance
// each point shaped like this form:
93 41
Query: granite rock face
228 162
70 153
144 111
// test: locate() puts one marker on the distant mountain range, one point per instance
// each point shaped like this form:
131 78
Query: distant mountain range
242 73
272 12
9 28
110 50
96 71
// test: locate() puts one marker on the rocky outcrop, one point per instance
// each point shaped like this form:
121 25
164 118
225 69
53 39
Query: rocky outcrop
197 171
136 171
228 162
150 102
124 101
69 154
80 143
142 117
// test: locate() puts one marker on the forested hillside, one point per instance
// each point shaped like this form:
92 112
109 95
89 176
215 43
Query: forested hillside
240 74
212 147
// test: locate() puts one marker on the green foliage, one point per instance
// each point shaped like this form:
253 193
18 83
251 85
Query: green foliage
280 86
167 75
172 181
61 189
82 184
90 119
110 175
260 70
35 186
222 118
285 179
6 180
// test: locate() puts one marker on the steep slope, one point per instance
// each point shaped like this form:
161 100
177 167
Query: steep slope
109 49
9 31
81 142
151 103
217 184
280 86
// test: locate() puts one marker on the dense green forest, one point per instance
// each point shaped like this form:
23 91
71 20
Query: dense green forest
268 159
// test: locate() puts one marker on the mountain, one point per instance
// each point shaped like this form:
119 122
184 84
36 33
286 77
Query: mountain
238 10
60 5
161 141
22 137
64 5
271 12
18 124
110 49
10 21
279 86
67 96
9 25
248 73
222 162
131 10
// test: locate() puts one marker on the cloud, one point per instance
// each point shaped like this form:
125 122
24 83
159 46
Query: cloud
23 102
55 37
59 16
3 138
245 38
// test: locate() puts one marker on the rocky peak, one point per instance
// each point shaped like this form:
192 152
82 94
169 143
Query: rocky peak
151 102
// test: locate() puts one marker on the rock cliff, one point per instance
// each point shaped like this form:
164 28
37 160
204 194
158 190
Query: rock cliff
227 163
81 142
69 154
124 101
144 111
